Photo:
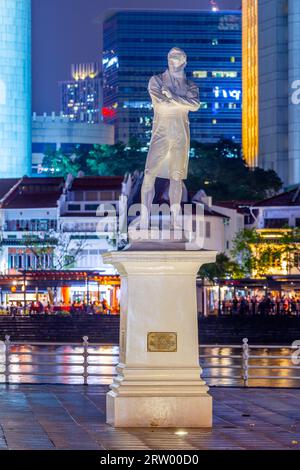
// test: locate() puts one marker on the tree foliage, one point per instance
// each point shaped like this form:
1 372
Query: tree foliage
220 169
217 168
223 268
258 256
63 250
59 163
101 160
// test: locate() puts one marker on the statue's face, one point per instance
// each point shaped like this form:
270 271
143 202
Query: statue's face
176 60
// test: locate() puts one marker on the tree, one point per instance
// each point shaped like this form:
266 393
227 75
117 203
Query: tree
101 160
218 168
60 164
259 256
221 171
60 247
223 268
116 160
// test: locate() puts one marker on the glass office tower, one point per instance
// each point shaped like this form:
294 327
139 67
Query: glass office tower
80 98
279 88
136 44
15 88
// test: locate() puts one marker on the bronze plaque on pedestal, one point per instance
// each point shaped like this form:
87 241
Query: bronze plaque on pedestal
162 342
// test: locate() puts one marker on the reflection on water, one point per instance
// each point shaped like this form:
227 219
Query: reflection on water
29 362
232 367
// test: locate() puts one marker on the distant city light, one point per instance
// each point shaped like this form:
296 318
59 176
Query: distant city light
181 433
214 5
108 113
110 62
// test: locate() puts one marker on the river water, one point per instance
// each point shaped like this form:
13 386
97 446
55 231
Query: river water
57 361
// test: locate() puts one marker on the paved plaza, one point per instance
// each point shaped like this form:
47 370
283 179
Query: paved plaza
73 417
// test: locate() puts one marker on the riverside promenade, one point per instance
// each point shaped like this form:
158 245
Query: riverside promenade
66 417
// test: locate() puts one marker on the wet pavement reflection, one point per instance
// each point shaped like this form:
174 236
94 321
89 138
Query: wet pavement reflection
64 365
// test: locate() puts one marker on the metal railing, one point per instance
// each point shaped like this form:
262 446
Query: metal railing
14 358
246 362
241 365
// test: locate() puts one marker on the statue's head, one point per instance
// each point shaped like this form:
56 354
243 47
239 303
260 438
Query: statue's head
177 59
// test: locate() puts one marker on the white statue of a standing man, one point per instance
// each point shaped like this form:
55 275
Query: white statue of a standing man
173 96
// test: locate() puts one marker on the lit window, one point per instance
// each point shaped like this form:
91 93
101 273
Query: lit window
200 74
214 121
232 59
224 74
215 42
203 105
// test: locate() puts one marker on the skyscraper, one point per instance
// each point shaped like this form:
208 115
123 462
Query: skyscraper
273 86
81 97
136 44
271 72
15 88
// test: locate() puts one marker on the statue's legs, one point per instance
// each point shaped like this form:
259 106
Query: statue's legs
147 196
175 195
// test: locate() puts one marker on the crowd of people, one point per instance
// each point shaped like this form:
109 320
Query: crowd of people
267 305
45 308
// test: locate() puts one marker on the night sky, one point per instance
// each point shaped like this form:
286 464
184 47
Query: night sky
66 32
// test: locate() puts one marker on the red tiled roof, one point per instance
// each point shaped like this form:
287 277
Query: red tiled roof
288 198
97 183
6 184
213 213
241 207
28 201
30 193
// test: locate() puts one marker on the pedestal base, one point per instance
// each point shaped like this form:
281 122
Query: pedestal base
158 382
160 411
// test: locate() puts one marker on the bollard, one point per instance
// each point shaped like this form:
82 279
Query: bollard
85 359
245 361
7 343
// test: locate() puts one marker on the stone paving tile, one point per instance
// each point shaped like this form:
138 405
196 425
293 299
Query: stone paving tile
73 417
81 408
59 423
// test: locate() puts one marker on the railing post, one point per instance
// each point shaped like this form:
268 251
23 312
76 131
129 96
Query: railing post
85 360
245 361
7 343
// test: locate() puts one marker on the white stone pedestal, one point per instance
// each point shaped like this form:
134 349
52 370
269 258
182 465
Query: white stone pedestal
158 382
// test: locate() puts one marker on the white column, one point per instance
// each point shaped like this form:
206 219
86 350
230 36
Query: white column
15 88
159 378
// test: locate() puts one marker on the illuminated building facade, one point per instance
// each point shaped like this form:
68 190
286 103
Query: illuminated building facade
81 96
15 88
136 44
278 87
250 82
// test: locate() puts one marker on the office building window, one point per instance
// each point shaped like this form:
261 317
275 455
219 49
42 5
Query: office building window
200 74
224 74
